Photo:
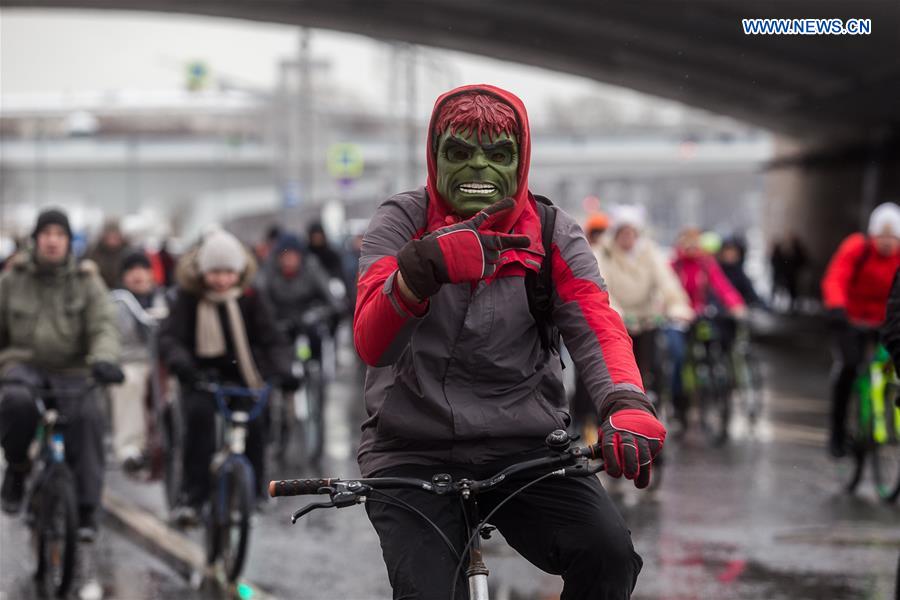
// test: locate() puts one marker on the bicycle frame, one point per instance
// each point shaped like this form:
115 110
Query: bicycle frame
874 406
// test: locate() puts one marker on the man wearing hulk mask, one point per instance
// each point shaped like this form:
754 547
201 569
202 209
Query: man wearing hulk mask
462 379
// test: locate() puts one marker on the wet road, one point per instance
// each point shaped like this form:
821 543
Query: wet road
758 519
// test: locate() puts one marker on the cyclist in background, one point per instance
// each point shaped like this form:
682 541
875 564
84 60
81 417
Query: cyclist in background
731 256
108 253
292 283
711 295
594 228
129 426
220 327
57 328
855 293
322 250
642 287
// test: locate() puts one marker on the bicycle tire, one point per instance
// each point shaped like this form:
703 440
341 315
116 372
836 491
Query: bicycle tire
281 413
748 385
173 452
886 470
55 529
313 427
228 523
715 409
850 467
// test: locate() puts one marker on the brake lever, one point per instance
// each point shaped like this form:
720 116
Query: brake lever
338 500
308 509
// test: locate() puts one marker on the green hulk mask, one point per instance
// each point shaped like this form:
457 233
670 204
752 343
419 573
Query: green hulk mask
474 173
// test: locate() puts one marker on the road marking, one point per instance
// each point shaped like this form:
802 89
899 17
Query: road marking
176 550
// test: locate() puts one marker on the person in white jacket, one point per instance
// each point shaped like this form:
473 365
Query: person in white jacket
642 287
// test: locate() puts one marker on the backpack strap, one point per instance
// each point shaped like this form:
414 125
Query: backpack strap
539 286
860 262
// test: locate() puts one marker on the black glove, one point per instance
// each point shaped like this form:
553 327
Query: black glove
107 372
289 383
467 251
184 369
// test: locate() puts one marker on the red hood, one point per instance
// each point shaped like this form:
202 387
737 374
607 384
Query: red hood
440 213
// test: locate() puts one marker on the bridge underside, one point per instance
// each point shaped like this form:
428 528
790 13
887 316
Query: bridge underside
696 53
836 98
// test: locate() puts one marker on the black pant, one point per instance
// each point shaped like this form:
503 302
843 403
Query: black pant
83 432
566 527
849 346
200 445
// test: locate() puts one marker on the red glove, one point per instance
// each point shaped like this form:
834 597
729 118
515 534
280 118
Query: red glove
631 439
467 251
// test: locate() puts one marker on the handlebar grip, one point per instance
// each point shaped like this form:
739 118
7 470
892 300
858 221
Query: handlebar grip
298 487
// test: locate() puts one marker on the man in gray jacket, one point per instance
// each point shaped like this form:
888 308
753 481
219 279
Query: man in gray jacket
460 380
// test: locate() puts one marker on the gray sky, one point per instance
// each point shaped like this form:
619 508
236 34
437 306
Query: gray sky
53 51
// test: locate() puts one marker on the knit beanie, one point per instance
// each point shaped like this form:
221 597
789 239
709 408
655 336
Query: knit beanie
221 251
885 220
52 216
627 215
289 242
135 260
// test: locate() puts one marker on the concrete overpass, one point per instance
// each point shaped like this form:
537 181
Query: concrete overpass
835 98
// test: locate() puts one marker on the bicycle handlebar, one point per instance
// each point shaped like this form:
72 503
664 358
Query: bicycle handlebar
569 463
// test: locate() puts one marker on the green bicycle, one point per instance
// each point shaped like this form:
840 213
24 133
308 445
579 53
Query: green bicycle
873 426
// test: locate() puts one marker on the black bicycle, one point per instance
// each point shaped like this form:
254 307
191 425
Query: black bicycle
51 506
227 517
562 460
707 377
304 411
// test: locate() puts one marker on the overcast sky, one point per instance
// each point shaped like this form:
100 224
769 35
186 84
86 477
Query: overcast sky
53 51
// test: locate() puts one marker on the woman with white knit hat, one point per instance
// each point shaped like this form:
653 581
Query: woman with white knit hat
220 326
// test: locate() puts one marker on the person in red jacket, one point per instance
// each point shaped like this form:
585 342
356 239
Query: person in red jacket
460 380
855 292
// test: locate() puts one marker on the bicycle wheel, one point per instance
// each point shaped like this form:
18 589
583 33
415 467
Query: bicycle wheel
715 405
228 523
314 422
281 416
849 468
55 529
886 469
173 451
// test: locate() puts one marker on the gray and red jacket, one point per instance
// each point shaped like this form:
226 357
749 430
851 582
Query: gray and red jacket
465 379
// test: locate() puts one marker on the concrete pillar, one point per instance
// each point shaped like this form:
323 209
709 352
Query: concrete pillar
823 192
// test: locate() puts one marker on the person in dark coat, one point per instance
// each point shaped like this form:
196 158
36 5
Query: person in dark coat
731 258
221 327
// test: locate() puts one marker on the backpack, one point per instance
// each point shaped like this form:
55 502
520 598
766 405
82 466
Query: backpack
539 286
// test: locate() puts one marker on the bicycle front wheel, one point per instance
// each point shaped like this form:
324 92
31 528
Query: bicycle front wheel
55 529
849 468
715 406
313 426
886 468
228 524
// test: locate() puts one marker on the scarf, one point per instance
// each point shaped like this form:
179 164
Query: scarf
211 339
